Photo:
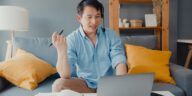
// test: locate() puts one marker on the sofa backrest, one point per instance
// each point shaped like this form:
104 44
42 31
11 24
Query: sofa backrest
148 41
39 47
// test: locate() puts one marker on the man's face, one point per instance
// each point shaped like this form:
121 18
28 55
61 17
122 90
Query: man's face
90 19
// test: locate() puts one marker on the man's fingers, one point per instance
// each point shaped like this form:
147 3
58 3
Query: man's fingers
61 38
54 37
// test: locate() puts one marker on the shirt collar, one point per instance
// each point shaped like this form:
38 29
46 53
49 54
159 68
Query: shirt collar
83 33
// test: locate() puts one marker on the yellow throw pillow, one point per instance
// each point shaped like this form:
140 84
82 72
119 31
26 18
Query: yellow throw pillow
25 70
143 60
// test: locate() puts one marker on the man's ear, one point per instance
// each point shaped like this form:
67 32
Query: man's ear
78 17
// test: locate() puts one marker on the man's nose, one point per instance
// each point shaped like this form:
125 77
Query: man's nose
94 21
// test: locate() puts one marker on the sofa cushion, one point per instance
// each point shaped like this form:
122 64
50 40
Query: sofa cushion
168 87
25 70
44 86
143 60
148 41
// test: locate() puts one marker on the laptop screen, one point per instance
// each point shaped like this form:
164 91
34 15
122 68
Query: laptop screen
126 85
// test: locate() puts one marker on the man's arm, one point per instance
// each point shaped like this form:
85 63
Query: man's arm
63 68
121 69
117 54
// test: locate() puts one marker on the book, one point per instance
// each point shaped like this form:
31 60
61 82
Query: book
164 93
66 92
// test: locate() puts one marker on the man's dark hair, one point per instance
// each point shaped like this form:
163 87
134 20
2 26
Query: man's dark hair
93 3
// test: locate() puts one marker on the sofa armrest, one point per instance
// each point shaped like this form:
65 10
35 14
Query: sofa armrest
183 78
3 83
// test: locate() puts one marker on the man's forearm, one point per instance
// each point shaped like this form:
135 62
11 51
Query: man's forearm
121 69
62 66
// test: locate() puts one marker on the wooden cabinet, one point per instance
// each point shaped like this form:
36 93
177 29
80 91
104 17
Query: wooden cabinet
162 32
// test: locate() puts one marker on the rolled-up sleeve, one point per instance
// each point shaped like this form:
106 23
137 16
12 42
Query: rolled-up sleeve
72 56
117 53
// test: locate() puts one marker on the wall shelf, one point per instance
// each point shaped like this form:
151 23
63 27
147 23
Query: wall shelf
150 28
162 32
136 1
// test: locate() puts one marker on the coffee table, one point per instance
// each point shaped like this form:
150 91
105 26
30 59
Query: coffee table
164 93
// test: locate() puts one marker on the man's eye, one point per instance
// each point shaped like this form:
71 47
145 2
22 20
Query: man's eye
98 16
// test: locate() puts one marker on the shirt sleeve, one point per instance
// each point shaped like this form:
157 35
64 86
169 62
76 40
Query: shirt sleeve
72 56
117 53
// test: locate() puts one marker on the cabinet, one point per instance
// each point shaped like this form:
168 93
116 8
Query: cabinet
162 31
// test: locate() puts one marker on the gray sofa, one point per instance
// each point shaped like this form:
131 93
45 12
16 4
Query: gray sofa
39 47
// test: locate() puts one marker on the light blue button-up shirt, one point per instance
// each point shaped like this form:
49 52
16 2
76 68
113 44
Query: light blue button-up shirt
94 62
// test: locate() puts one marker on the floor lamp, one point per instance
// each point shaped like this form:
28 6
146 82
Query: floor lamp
13 19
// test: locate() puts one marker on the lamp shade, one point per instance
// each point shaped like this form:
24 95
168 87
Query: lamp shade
13 18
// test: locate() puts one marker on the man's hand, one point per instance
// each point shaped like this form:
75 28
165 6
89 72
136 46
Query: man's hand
59 42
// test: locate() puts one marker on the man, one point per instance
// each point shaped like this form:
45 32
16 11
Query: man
92 49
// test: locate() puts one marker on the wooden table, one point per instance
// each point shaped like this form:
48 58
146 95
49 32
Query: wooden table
189 42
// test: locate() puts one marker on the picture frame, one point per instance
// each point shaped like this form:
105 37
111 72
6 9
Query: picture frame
150 20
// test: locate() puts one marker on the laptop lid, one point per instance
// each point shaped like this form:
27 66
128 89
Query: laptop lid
126 85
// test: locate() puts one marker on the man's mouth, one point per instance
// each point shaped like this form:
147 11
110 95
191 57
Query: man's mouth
93 27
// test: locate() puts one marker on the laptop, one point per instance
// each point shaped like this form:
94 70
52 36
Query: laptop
126 85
